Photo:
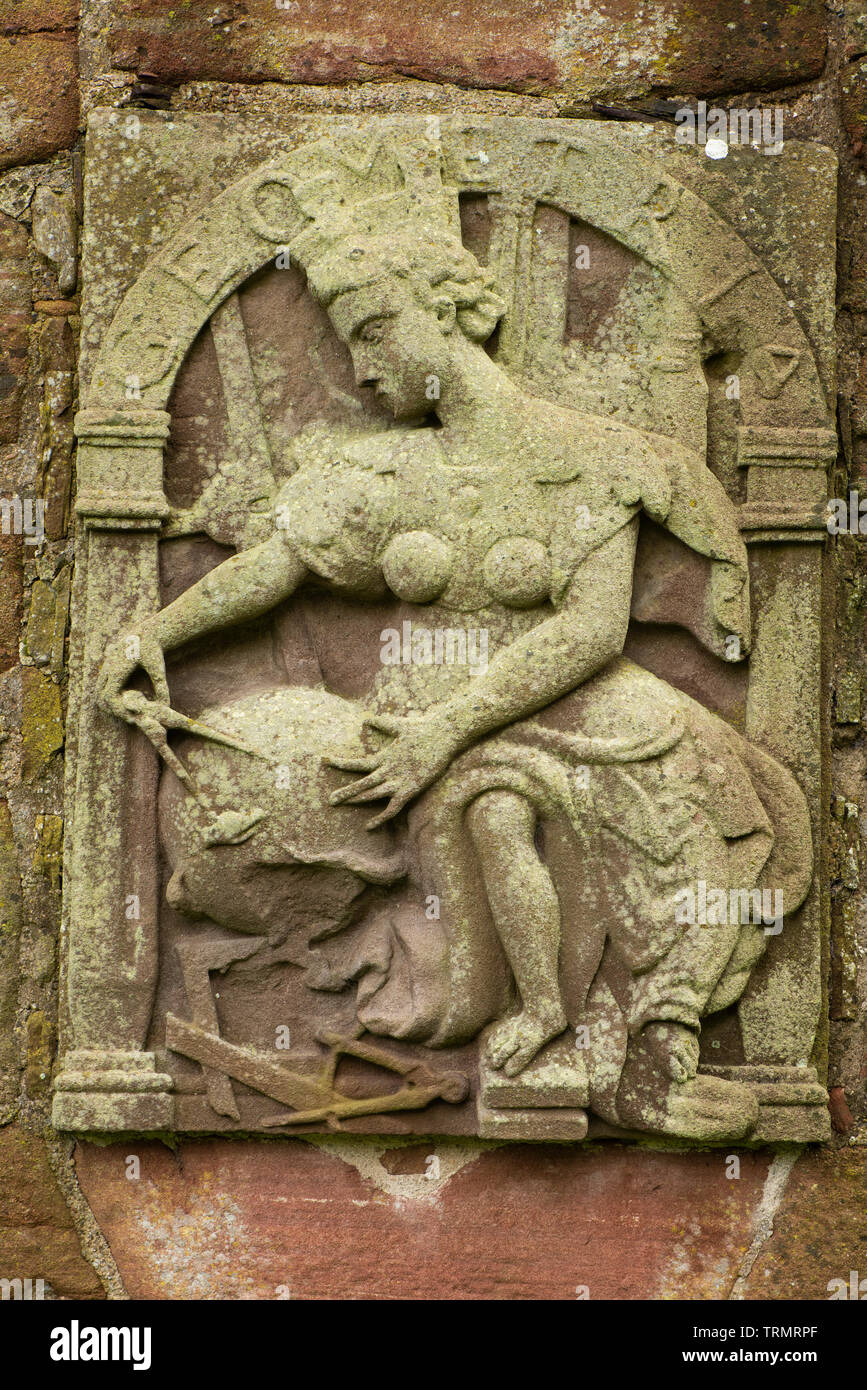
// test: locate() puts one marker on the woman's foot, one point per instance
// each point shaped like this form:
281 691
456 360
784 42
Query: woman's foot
674 1048
515 1042
661 1092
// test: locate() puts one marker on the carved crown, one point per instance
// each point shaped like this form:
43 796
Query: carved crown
364 200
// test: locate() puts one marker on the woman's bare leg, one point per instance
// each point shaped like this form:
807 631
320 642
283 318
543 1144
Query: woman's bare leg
526 914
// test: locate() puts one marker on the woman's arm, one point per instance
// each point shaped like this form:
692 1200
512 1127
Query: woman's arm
701 514
560 653
530 673
241 588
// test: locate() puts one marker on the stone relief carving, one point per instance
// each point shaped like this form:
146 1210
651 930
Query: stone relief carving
411 835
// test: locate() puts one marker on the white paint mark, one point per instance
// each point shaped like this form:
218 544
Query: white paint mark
763 1222
413 1187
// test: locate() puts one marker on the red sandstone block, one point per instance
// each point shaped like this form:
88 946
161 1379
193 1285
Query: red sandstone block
38 96
15 316
284 1218
37 1236
853 104
38 16
820 1229
10 598
623 47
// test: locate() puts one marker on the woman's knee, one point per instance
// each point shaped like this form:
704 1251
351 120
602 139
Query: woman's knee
498 818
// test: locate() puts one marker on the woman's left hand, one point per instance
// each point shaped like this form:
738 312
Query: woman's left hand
420 749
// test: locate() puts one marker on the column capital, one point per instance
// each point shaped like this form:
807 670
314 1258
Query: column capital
772 446
120 468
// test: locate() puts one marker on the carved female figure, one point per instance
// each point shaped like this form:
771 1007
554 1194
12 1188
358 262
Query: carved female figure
492 508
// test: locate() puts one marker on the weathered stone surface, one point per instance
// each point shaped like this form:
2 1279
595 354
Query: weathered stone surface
10 934
54 234
38 16
15 309
618 48
57 361
41 721
290 1220
38 96
10 599
37 1236
39 1053
820 1229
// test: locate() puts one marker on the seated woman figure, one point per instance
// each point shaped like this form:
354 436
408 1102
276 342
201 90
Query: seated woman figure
513 515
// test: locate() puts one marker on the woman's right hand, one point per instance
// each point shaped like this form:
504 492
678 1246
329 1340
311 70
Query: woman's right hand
124 656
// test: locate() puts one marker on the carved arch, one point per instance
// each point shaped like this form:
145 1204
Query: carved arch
587 176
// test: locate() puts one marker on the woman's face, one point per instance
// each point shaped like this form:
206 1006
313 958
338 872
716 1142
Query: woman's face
399 348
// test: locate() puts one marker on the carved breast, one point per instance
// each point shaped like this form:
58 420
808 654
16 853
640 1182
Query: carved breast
517 571
418 565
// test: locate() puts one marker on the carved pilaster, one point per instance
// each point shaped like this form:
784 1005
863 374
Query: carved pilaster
107 1080
785 508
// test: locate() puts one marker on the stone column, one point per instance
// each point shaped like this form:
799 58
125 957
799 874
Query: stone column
108 1081
784 523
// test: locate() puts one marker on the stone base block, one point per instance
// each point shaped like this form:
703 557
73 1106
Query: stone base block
556 1077
799 1124
793 1103
113 1111
544 1125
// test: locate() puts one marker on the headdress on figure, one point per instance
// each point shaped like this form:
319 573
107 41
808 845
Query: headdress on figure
373 209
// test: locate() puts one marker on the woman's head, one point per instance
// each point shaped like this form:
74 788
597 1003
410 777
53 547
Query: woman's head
401 302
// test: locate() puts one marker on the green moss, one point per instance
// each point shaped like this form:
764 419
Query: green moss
49 848
39 1051
41 721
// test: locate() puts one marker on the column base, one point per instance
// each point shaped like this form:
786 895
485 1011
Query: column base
793 1103
112 1091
